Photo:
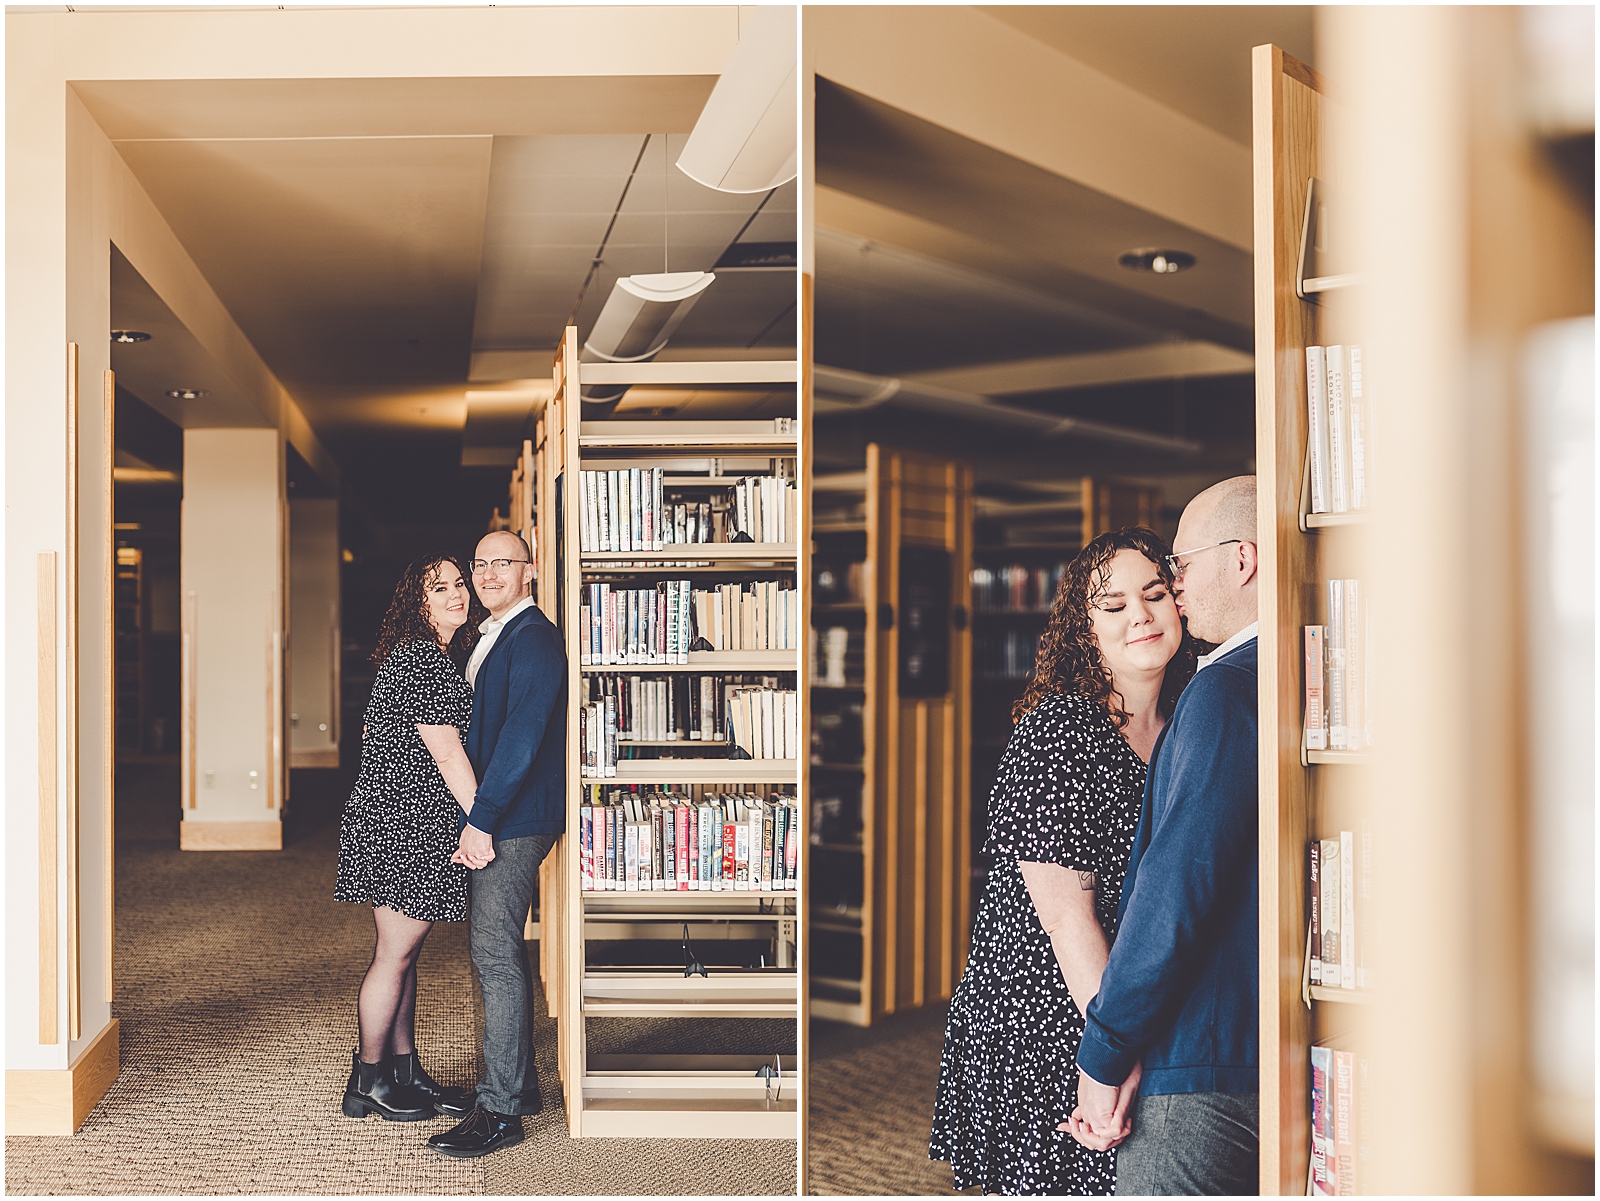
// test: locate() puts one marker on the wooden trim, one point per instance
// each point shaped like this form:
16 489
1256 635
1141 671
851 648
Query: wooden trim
1295 69
189 732
873 706
919 854
108 627
230 836
754 371
49 838
56 1103
74 768
569 419
317 757
804 470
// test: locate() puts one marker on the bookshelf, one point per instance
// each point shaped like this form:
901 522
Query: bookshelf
661 1095
890 899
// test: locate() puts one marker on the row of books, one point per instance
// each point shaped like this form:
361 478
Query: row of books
1016 588
759 718
839 583
669 842
1338 672
1339 889
628 509
1339 429
1339 1082
1007 655
663 623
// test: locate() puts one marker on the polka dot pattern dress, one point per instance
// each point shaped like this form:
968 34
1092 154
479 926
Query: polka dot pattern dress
1068 791
402 823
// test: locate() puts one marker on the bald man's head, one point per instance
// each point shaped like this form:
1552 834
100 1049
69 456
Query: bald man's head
1223 511
502 571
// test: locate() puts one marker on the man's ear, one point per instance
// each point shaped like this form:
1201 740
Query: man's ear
1249 562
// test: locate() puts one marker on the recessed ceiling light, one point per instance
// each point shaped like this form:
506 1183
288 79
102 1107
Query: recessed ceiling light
129 335
1157 262
187 393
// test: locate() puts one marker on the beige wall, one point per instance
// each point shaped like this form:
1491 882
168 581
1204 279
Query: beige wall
314 633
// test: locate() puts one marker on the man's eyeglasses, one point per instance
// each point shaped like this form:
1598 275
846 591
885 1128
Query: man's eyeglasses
1175 562
500 566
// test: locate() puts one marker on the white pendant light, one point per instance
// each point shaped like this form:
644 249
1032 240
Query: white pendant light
637 320
746 139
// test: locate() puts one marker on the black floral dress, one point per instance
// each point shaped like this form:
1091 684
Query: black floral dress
1068 791
402 823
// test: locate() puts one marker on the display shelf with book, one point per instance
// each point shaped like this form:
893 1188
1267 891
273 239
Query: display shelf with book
1314 443
675 589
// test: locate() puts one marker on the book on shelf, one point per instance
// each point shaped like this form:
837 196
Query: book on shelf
1338 429
622 711
1009 654
629 509
658 841
1339 889
1316 715
1338 1084
1016 588
1347 676
664 622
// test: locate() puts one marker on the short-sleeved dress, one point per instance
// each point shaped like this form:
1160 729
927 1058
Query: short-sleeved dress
402 823
1068 791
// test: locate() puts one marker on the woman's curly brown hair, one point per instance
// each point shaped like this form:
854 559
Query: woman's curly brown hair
407 618
1069 658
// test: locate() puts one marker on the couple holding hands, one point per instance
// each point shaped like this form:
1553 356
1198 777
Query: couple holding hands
1113 975
459 794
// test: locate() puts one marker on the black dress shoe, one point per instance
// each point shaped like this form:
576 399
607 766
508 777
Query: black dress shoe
372 1089
450 1101
483 1131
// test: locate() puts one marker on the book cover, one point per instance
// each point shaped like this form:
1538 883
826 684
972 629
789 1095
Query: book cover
1316 719
729 849
1330 912
1337 734
586 847
1324 1161
1347 910
1317 427
680 819
1314 893
1338 433
630 849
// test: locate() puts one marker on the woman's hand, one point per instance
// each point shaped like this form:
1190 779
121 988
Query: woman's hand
1104 1116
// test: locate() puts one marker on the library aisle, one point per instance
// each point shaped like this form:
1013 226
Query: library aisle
237 1000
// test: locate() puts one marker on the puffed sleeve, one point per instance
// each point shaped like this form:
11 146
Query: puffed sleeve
1044 805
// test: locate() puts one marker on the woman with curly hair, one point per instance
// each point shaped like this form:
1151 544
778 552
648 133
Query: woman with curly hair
1062 818
398 839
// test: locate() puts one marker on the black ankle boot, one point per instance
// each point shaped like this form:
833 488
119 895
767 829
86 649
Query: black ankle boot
372 1089
452 1102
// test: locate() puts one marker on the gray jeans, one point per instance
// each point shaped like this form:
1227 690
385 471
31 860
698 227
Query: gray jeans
501 894
1192 1144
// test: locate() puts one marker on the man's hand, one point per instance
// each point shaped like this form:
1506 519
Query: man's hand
1103 1117
475 849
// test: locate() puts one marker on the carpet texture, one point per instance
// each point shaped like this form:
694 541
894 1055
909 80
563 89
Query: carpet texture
870 1136
236 982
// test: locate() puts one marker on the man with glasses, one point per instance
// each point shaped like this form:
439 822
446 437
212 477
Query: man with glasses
1178 998
517 745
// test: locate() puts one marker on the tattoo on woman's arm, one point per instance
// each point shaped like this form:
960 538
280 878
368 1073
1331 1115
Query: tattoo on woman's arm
1086 881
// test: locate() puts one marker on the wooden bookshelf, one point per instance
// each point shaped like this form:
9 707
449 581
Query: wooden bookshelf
906 936
661 1095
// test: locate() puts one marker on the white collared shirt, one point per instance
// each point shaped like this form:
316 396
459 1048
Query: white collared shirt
487 633
1238 640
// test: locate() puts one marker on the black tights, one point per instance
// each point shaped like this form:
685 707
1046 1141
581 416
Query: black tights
387 1005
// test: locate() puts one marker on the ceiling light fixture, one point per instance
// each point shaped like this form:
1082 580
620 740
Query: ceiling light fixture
746 137
1157 262
187 393
640 315
129 335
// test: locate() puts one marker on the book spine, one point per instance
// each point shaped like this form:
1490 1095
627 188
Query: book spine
680 819
1354 666
1338 433
613 510
729 850
586 847
1344 1120
630 847
1324 1182
1330 912
1337 734
1317 427
1357 400
792 855
1316 711
1347 909
662 535
1363 901
1314 892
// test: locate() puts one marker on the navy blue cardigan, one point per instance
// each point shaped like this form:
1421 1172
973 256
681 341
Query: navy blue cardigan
1180 989
518 738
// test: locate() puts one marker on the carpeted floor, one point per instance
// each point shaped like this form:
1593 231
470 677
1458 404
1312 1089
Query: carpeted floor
870 1136
237 975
